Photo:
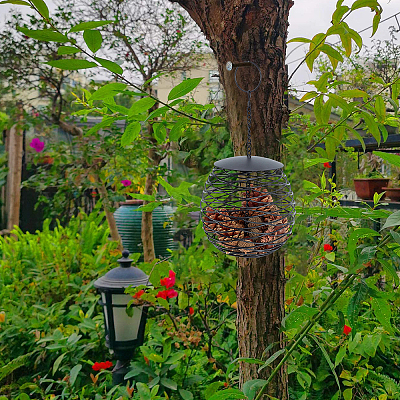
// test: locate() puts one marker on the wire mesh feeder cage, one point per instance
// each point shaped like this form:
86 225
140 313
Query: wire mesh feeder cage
247 206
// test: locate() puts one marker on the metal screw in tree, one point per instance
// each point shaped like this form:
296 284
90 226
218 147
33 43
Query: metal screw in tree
247 207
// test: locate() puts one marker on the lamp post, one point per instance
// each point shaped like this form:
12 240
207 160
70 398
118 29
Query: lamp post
124 326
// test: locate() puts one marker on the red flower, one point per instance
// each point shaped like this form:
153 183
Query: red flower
171 293
328 247
98 366
167 294
139 294
346 329
327 165
178 31
170 281
191 311
162 294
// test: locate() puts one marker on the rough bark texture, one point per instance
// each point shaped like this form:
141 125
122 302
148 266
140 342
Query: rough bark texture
253 30
15 150
149 253
109 215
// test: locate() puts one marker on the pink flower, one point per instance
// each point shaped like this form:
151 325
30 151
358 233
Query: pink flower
37 144
126 182
170 281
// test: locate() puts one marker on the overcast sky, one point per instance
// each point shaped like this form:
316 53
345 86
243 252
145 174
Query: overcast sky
308 17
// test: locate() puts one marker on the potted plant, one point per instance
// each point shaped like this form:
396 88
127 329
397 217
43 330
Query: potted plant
370 180
393 190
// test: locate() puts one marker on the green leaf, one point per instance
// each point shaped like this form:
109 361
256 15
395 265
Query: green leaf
348 394
67 50
141 106
339 13
354 93
45 35
73 374
309 96
132 131
370 344
389 268
58 362
89 25
185 394
103 124
184 88
116 108
339 267
149 208
358 136
330 147
157 113
310 58
355 236
169 383
364 3
383 313
109 90
375 23
372 126
227 394
360 294
330 51
340 355
251 387
110 65
314 161
271 359
72 65
328 360
389 157
211 389
176 131
41 7
298 316
145 197
300 40
16 2
160 133
143 391
318 108
392 220
93 39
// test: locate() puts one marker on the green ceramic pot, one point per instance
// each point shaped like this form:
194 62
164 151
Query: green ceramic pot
129 224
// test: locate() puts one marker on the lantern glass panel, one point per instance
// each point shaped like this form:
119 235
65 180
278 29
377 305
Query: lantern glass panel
126 327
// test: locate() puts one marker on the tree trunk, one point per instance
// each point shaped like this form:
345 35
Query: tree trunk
107 209
15 146
249 30
149 253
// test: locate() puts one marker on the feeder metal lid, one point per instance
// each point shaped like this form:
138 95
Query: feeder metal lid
248 164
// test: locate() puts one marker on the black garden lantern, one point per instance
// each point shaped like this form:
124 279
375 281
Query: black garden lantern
247 207
124 327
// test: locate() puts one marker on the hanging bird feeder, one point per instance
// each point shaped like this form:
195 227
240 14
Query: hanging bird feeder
247 207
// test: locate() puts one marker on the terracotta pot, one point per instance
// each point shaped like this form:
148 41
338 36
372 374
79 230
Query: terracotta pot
392 193
365 188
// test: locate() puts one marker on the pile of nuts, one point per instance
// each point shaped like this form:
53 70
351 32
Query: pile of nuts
245 229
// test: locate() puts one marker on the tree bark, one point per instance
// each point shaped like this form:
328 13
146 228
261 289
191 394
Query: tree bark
15 143
107 209
253 30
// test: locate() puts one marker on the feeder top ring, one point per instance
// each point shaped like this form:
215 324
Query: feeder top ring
248 164
259 81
